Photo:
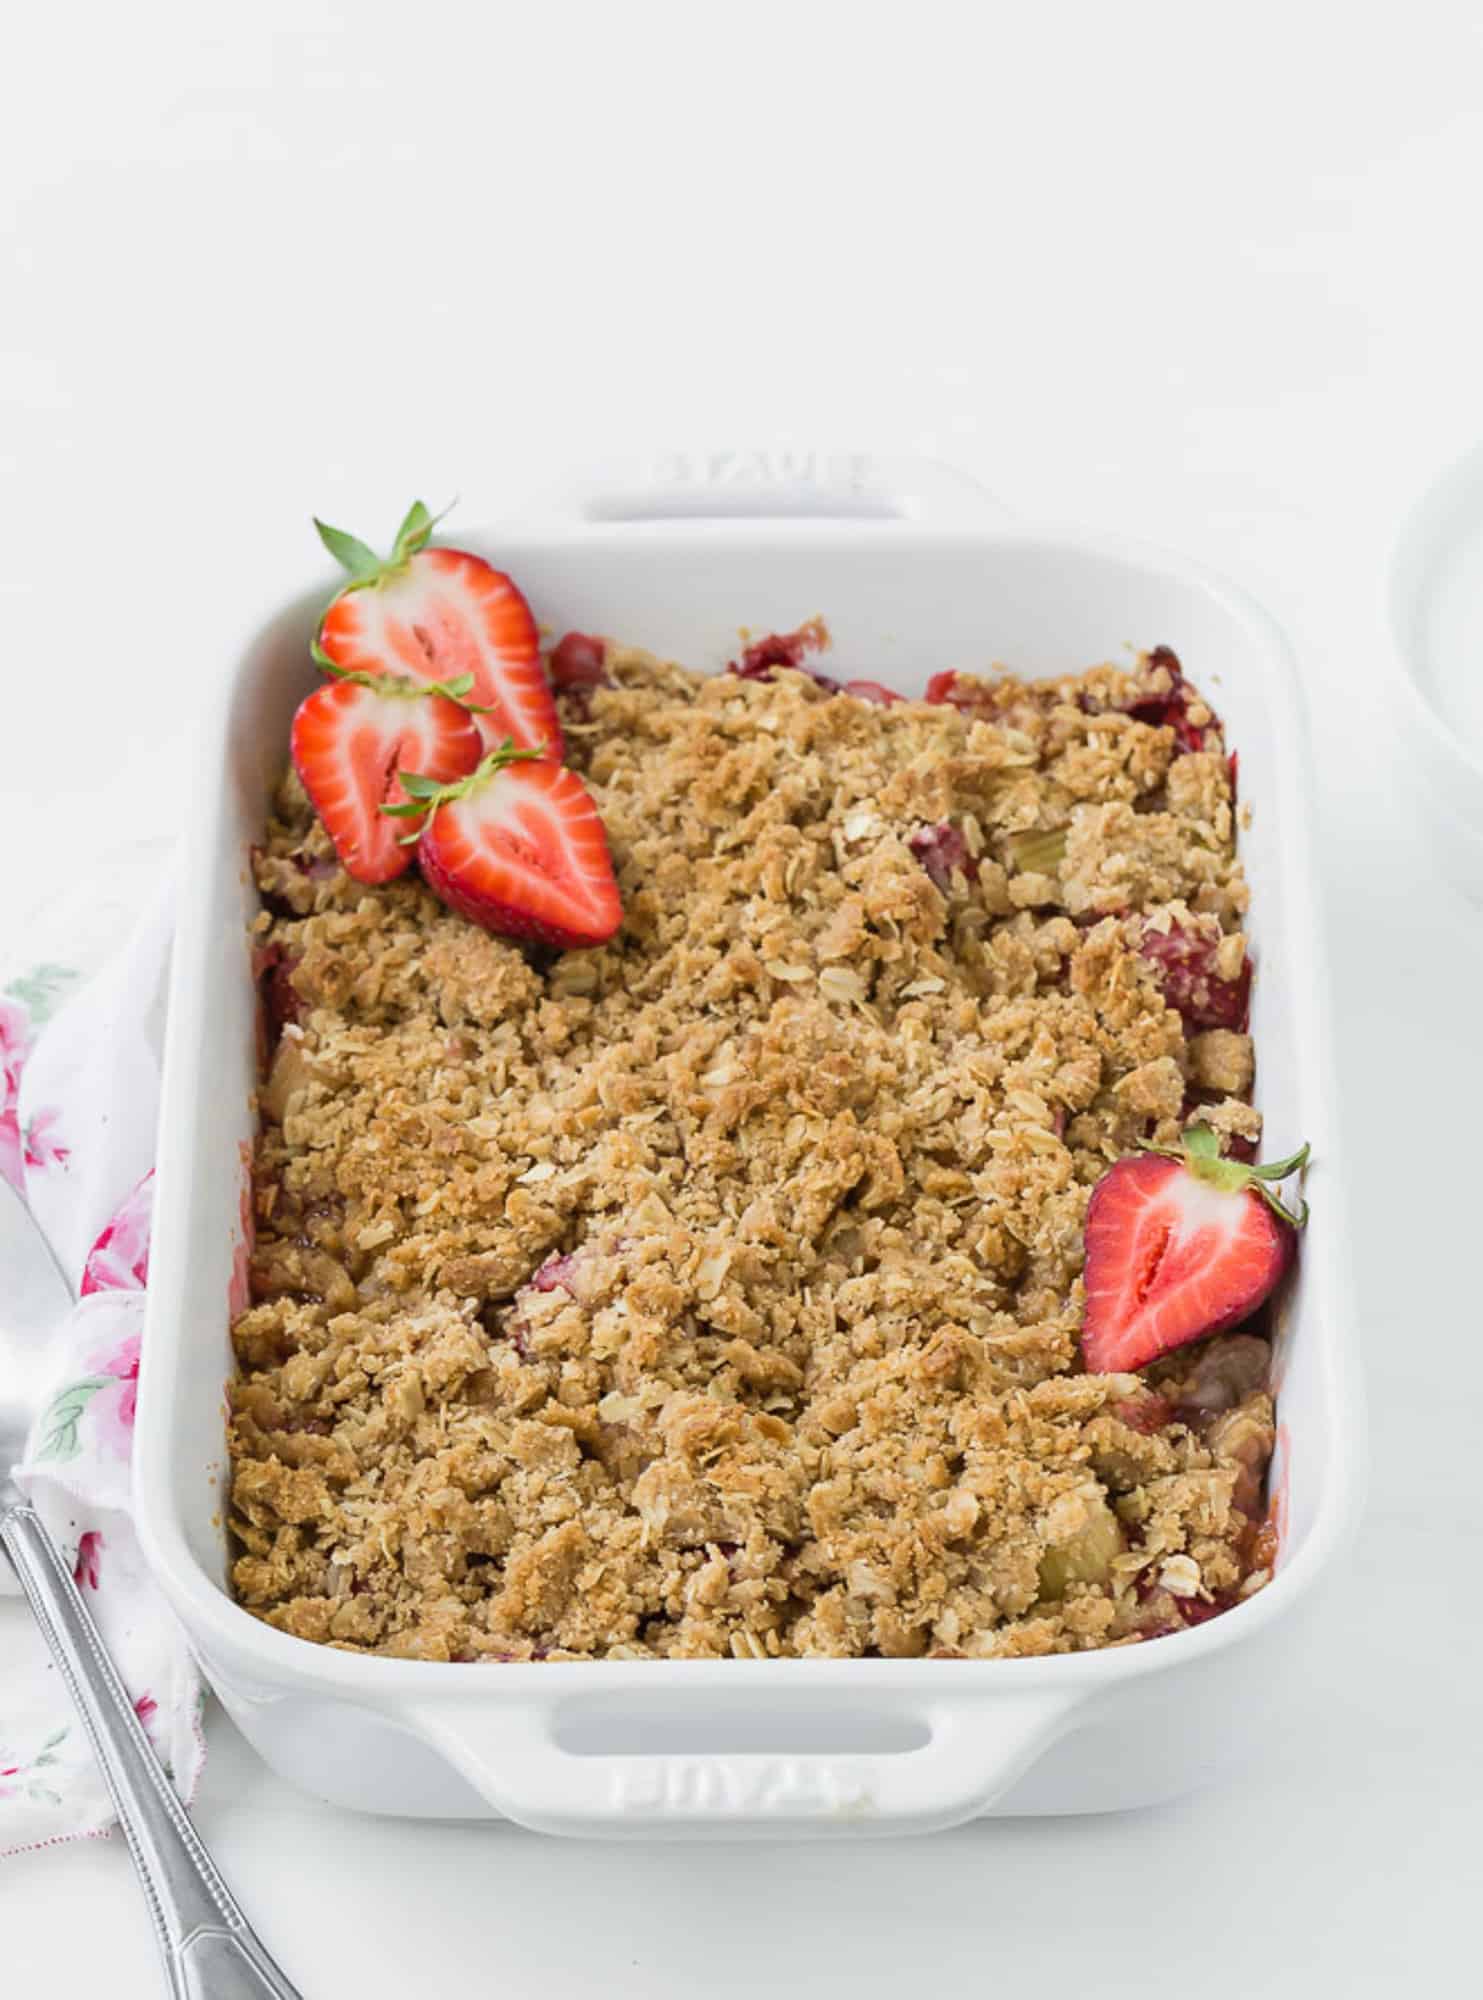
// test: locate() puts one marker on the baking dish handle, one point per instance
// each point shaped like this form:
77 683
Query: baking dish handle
974 1750
774 485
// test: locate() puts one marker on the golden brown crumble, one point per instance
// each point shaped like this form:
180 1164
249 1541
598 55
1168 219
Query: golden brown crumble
716 1292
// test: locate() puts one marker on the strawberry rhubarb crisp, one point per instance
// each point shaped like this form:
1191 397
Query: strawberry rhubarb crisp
718 1290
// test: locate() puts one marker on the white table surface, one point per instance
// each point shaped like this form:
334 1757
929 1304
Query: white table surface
1206 276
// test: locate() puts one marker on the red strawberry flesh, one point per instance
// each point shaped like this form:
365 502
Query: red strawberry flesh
350 743
442 614
1169 1258
522 852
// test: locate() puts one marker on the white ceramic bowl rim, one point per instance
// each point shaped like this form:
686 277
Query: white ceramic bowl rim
1424 522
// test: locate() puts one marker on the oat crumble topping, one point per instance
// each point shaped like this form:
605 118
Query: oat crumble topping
716 1292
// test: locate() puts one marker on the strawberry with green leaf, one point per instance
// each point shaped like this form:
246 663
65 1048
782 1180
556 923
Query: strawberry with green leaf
518 847
1181 1242
441 616
358 741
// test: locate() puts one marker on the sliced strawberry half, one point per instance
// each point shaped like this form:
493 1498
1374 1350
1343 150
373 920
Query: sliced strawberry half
441 615
354 741
519 848
1180 1243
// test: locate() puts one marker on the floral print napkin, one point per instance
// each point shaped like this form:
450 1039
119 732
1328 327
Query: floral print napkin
81 1020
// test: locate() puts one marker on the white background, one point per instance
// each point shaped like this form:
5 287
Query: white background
1205 275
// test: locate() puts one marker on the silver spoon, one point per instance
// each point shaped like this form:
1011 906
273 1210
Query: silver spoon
210 1950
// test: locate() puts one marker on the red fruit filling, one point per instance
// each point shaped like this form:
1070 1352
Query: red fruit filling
1264 1545
1171 709
317 867
1145 1414
761 660
1184 961
1168 706
555 1274
781 649
940 849
579 661
941 691
1195 1610
1165 1613
272 968
1233 1368
511 1323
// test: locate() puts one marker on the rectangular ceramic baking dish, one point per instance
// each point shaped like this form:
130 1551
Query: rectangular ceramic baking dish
914 571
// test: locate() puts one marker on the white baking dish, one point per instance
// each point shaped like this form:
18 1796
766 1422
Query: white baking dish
913 576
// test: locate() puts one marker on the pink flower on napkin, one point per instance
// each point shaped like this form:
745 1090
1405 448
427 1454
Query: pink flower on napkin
15 1045
112 1408
15 1041
85 1570
42 1146
119 1260
79 1100
31 1784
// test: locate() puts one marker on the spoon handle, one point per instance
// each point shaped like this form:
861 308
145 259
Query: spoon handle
209 1948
